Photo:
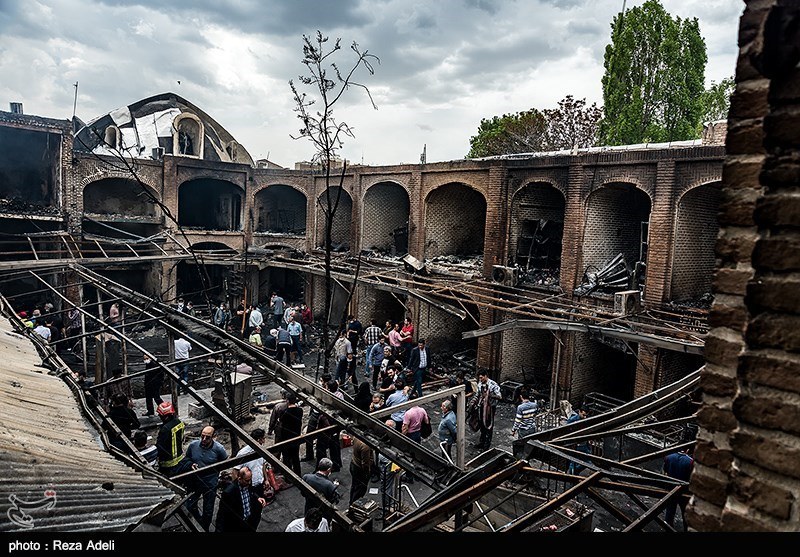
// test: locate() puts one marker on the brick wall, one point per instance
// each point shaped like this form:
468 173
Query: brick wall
530 348
117 196
746 475
533 202
613 224
455 217
386 207
696 231
342 219
279 208
600 368
442 330
380 305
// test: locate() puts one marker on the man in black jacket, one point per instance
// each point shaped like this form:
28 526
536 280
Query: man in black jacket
418 362
240 506
321 482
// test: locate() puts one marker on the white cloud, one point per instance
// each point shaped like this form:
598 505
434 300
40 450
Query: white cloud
444 65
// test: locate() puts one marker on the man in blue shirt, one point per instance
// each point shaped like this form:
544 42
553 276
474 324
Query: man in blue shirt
679 466
575 468
202 453
447 427
398 397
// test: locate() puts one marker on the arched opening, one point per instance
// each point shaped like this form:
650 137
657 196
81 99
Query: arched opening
602 365
455 221
219 282
210 204
120 208
381 305
527 358
187 135
339 294
696 229
537 227
442 332
280 209
119 197
342 218
212 248
288 283
384 226
112 137
615 239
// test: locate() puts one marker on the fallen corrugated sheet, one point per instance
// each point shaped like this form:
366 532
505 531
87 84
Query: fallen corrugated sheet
54 472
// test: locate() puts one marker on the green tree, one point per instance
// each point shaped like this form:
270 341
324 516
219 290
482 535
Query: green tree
654 80
522 132
717 100
572 124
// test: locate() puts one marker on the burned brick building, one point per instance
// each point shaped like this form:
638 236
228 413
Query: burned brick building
604 233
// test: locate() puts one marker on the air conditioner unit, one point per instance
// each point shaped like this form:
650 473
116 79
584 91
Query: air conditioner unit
627 302
507 276
158 153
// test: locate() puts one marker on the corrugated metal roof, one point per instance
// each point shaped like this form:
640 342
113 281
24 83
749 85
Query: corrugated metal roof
53 467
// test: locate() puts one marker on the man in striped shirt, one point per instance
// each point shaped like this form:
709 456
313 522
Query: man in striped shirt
524 423
372 335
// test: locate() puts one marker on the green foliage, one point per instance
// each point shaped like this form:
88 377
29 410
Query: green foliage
654 80
510 133
570 125
717 100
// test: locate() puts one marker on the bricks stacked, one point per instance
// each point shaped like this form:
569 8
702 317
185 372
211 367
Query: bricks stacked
746 474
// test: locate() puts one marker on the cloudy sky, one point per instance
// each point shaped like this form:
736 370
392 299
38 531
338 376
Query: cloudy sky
444 64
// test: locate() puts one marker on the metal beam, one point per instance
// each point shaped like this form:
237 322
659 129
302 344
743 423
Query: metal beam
675 345
653 511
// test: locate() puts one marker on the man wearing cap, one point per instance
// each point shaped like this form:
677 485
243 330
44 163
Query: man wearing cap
321 482
170 442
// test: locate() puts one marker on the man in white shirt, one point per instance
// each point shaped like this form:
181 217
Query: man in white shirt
256 465
43 331
312 522
256 319
182 348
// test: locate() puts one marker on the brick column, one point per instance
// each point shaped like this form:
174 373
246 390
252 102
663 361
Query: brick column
646 372
662 233
571 253
746 473
495 238
416 222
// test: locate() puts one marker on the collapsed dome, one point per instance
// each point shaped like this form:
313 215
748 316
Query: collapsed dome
165 124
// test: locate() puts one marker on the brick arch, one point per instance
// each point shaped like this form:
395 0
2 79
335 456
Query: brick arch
528 180
104 174
233 243
297 186
456 225
384 211
446 181
704 181
622 179
536 227
208 176
342 221
696 228
608 230
291 215
377 181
